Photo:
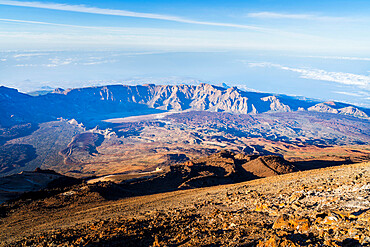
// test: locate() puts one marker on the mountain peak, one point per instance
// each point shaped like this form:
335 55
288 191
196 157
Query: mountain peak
125 99
58 91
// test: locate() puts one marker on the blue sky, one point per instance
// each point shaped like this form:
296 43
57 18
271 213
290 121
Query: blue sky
315 26
318 49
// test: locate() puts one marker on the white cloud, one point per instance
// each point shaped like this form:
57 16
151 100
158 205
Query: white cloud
100 11
46 23
274 15
341 58
170 80
261 65
165 40
248 89
349 93
26 65
362 81
54 62
98 62
29 55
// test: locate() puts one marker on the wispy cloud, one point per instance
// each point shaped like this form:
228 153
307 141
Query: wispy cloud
341 58
361 81
355 94
45 23
56 61
99 62
114 12
53 62
27 55
101 28
171 33
26 65
274 15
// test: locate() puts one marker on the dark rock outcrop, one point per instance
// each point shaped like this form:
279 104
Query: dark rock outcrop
221 168
18 185
338 108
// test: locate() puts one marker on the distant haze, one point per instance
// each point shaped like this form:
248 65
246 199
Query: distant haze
318 49
342 78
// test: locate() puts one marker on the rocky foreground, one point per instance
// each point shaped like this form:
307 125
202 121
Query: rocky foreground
324 207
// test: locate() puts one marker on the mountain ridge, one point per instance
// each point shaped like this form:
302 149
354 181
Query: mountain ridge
116 100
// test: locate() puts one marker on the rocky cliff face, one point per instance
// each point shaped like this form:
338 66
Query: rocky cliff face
204 97
331 107
164 97
98 103
276 105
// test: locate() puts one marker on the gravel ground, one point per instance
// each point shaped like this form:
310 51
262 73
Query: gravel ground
324 207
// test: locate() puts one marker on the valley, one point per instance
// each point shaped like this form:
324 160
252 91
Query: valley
72 149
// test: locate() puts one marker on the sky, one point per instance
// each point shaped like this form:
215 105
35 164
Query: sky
318 49
315 26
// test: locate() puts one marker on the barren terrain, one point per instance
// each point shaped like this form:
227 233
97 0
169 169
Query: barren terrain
98 131
324 207
119 177
137 145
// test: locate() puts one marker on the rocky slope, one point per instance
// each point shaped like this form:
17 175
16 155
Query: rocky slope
221 168
82 144
325 207
15 185
338 108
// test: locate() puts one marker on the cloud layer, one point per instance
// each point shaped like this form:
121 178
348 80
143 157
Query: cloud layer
361 81
341 58
274 15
